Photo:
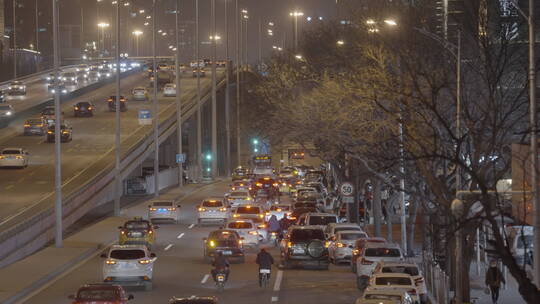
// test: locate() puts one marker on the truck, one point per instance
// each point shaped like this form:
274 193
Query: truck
163 77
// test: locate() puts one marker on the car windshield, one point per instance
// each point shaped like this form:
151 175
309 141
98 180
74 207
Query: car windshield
248 210
83 104
239 194
279 208
240 225
131 254
212 204
393 281
34 121
410 270
300 235
11 152
383 252
321 220
5 108
382 297
525 241
351 236
222 235
338 229
108 294
137 225
162 204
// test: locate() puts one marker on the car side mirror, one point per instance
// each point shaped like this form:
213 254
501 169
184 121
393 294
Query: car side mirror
152 255
71 297
120 227
130 297
103 255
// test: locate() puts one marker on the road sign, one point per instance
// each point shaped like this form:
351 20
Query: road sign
346 189
347 199
180 158
145 117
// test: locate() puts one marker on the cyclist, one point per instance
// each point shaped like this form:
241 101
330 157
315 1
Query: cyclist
265 261
221 264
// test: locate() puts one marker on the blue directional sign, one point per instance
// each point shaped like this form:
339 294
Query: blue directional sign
145 117
180 158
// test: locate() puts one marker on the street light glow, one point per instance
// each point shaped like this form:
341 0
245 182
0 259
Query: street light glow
271 23
299 57
137 32
103 25
296 14
390 22
216 37
370 21
340 42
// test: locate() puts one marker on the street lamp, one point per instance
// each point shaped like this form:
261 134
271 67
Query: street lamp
102 26
340 42
299 57
390 22
137 33
296 14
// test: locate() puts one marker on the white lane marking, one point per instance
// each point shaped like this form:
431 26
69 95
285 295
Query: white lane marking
205 278
180 235
279 277
275 299
191 226
168 247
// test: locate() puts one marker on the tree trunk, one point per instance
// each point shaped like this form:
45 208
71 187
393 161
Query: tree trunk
413 209
377 214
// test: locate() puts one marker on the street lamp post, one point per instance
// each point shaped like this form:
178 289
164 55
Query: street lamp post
227 98
14 34
155 109
137 34
102 26
296 14
57 145
199 104
237 21
214 87
118 180
178 99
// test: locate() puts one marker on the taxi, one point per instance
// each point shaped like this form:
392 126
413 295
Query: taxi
239 173
212 210
248 212
246 229
279 210
240 185
137 231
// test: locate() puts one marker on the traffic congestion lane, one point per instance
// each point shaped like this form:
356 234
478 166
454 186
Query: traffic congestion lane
181 271
92 138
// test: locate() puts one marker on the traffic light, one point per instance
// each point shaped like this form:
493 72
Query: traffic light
208 157
255 141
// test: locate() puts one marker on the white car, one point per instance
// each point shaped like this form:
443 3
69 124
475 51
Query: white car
406 268
260 225
317 219
385 297
246 229
140 93
129 265
341 245
169 90
212 210
333 228
164 210
395 282
279 210
370 255
16 88
240 197
248 211
14 157
6 111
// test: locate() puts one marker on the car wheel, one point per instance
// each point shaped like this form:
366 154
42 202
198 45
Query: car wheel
360 283
148 286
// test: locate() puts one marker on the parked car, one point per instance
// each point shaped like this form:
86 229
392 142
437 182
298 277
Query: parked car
212 210
100 294
370 255
16 88
129 265
66 133
225 241
385 297
341 245
13 157
6 111
393 281
83 108
164 210
359 246
406 268
35 126
305 246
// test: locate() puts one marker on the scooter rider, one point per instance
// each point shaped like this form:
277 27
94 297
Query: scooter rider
265 261
221 265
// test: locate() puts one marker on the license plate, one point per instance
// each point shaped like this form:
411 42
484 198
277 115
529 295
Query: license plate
298 251
162 210
264 271
135 234
227 252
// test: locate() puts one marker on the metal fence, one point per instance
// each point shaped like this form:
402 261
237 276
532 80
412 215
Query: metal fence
437 281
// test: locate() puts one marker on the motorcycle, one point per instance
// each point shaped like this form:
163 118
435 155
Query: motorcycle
221 279
274 238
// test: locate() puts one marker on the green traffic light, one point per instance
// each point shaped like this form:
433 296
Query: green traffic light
208 156
255 141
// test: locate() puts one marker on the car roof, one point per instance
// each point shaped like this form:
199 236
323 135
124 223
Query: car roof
385 291
335 225
192 300
351 232
307 227
320 214
213 199
100 286
397 264
391 275
382 245
127 247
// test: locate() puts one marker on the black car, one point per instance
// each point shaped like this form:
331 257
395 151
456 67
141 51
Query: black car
65 133
111 101
194 300
35 126
265 186
83 108
226 241
306 246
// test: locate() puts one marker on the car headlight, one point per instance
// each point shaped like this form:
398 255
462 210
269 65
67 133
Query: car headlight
10 87
8 113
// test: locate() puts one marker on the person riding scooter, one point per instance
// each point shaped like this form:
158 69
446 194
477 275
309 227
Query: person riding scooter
221 265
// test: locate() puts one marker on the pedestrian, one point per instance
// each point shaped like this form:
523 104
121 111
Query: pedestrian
273 224
494 278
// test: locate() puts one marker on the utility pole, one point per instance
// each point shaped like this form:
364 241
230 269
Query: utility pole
237 20
214 97
37 27
199 105
458 267
227 99
259 60
117 178
14 34
155 109
58 240
178 99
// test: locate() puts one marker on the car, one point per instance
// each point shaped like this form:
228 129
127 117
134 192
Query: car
286 173
194 300
94 75
13 157
137 231
333 228
169 90
35 126
385 297
370 255
305 204
248 211
129 265
48 114
105 72
317 219
140 93
201 64
111 102
393 281
16 88
359 246
100 294
2 96
50 78
265 186
83 108
238 198
298 212
6 111
300 189
341 245
66 133
226 241
239 173
61 88
246 229
407 268
82 75
260 225
305 246
212 210
69 78
240 185
199 72
82 68
164 210
279 210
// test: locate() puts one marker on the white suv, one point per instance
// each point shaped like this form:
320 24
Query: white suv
246 229
370 255
212 210
406 268
129 265
393 281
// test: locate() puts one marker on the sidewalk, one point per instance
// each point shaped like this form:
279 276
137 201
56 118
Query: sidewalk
24 277
508 294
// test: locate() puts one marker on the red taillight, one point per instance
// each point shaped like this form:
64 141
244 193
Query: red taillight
412 291
419 281
366 262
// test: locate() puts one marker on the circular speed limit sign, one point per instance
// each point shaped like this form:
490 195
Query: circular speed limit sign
346 189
